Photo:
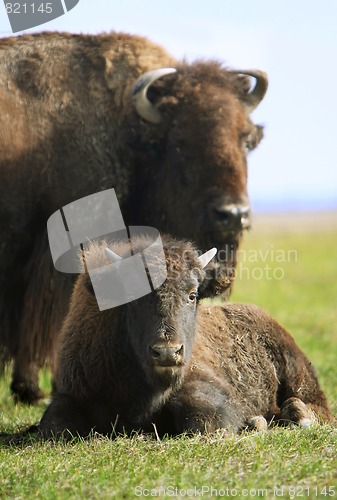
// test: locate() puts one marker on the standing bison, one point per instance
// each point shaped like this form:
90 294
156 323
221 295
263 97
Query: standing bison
80 114
164 359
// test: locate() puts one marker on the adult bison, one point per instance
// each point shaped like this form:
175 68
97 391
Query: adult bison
80 114
164 359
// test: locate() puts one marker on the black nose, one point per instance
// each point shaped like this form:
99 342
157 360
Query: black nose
163 355
232 217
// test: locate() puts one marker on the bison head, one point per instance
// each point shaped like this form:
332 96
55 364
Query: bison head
160 326
192 138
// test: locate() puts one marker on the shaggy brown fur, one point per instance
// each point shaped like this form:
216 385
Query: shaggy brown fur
230 362
68 129
243 354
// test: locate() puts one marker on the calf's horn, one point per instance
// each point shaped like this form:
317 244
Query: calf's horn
206 257
255 96
143 106
112 256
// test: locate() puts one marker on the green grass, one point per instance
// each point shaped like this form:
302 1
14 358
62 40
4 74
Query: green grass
304 301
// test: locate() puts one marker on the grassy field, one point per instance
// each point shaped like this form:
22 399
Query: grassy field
290 269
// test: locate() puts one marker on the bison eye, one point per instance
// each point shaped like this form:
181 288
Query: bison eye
192 296
247 142
248 146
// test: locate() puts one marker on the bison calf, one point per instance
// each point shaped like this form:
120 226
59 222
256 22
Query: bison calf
167 360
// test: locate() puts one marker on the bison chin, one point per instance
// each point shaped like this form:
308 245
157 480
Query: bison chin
161 373
165 377
163 369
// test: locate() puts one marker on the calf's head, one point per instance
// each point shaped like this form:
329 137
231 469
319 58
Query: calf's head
160 326
163 322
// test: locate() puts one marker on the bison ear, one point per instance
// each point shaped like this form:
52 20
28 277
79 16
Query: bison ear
217 282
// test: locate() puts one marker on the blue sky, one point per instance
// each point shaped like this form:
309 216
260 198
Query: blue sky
295 168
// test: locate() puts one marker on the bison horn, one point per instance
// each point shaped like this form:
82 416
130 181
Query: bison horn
255 96
206 257
143 106
112 256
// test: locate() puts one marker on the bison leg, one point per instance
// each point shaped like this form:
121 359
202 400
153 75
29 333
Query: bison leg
24 384
295 411
64 418
258 423
299 389
201 406
44 305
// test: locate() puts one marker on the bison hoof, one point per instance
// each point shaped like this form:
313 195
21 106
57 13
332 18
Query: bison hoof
25 392
305 423
257 423
296 411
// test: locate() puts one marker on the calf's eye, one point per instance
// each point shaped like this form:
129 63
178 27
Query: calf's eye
192 296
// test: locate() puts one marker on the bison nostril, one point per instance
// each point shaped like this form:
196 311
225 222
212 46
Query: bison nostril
232 217
166 355
224 216
155 354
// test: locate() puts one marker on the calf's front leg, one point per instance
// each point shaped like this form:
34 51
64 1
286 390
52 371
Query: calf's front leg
201 406
64 418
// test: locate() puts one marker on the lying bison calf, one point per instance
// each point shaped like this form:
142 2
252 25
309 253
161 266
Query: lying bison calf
167 360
